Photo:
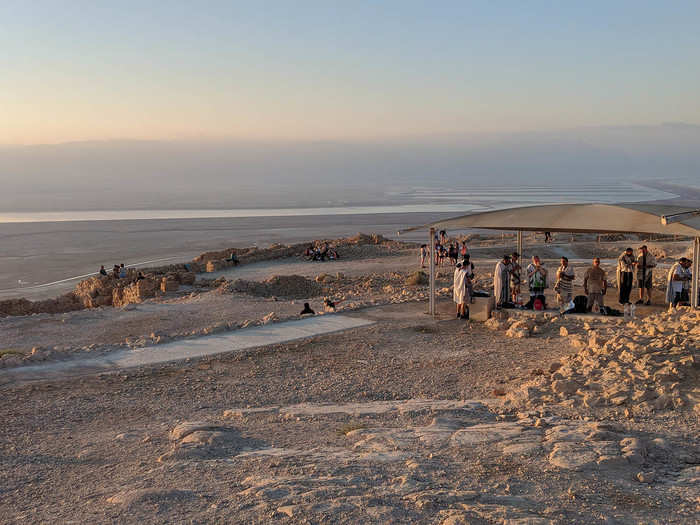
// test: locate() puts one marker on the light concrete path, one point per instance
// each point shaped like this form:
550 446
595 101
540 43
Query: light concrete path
241 339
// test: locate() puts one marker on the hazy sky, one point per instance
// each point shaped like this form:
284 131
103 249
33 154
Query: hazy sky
85 70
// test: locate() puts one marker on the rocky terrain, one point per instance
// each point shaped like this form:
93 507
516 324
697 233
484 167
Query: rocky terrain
407 421
528 418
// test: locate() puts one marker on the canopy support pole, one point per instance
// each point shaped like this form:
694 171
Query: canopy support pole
520 246
431 244
696 270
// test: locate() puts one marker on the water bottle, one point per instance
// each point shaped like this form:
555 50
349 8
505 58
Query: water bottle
627 312
633 308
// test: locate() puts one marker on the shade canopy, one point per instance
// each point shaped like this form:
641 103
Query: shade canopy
578 218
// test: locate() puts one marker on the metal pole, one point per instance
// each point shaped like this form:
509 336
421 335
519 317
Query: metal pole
520 245
696 270
431 244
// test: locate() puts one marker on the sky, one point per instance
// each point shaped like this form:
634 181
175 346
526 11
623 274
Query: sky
327 70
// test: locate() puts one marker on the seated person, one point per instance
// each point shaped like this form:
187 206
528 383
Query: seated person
140 276
232 258
102 270
307 310
330 304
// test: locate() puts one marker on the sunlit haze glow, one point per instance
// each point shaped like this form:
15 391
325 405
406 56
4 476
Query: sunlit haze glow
313 70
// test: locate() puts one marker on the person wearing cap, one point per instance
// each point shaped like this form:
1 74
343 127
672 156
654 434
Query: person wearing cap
625 274
459 290
645 263
501 281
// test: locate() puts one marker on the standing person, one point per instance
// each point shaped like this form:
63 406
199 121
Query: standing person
515 278
443 236
595 285
565 282
468 268
103 271
547 237
536 279
645 263
452 253
423 254
675 282
688 279
625 274
463 250
501 281
459 290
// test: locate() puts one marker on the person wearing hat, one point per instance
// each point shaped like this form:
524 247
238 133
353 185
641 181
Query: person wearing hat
501 281
459 289
625 273
645 263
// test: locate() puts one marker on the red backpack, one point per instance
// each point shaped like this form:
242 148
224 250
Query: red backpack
538 304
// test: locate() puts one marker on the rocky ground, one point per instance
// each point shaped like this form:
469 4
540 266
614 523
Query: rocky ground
526 419
408 421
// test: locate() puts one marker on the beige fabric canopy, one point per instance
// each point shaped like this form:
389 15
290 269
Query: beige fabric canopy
577 218
644 218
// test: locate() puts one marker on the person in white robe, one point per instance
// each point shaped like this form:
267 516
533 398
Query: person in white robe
501 281
459 289
678 276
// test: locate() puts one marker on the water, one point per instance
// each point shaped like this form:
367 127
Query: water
44 253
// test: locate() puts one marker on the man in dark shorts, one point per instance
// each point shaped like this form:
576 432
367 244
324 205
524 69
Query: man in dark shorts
645 263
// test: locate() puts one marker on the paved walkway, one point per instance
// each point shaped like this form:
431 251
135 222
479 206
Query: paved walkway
241 339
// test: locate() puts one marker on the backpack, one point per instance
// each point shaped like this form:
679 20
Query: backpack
580 304
538 304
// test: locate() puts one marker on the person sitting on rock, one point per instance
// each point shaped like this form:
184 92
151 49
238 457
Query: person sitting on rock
115 271
140 276
233 259
307 310
122 271
103 271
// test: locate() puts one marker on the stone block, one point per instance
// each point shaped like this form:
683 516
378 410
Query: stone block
481 308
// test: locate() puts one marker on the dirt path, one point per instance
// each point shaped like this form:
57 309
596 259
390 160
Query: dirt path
238 340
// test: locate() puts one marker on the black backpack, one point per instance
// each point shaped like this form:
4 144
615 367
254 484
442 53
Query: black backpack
580 304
